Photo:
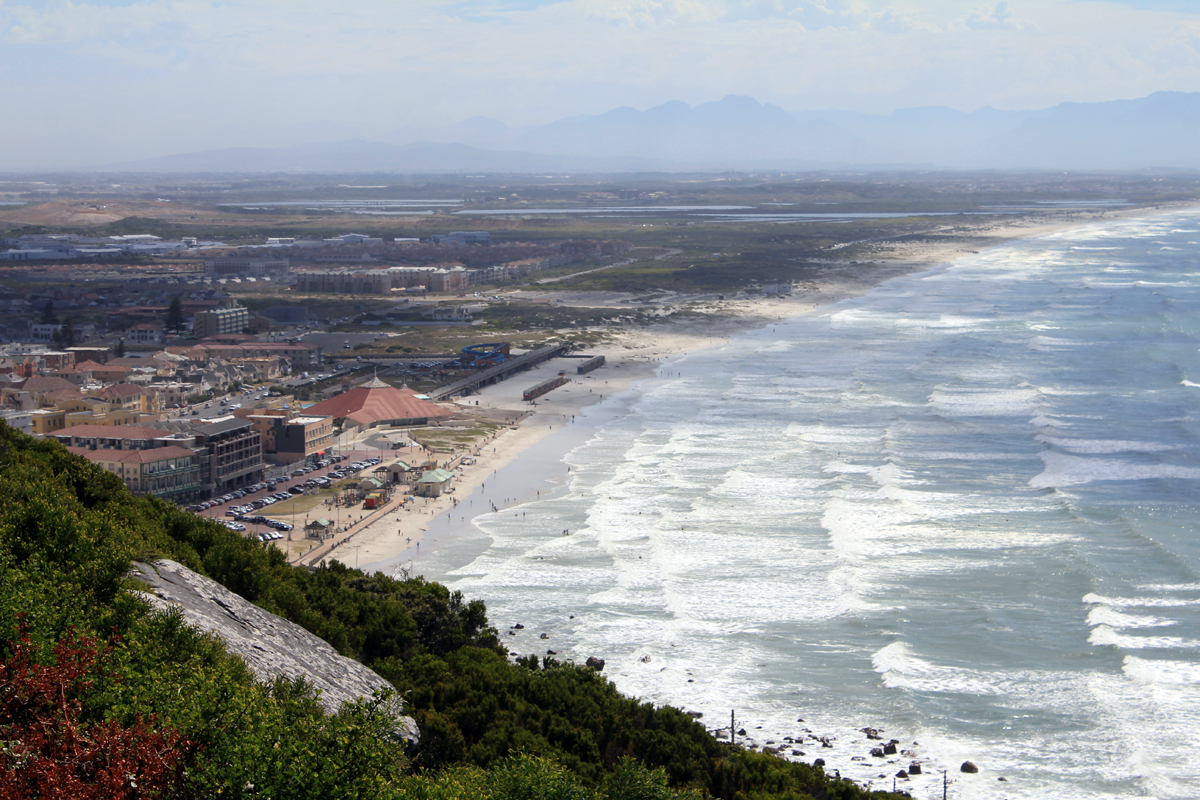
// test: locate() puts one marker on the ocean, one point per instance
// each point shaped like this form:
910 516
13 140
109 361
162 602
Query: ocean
960 509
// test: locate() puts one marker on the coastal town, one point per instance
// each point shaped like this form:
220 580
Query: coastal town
213 424
273 386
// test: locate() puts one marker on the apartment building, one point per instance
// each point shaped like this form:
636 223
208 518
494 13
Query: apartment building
171 473
227 319
288 440
232 455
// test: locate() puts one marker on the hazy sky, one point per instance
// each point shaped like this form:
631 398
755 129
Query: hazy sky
102 80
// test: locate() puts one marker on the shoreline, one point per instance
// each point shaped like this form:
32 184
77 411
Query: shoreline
392 538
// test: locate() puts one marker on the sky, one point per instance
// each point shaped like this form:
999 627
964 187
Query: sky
99 81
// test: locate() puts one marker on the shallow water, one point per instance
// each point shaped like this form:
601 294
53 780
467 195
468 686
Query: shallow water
961 508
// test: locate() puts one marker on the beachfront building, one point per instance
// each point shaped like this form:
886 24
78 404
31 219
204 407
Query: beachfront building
287 440
319 529
377 403
396 471
433 483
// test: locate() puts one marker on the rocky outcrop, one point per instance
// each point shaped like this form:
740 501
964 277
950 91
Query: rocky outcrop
271 646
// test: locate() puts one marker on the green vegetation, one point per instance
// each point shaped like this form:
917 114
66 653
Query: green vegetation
100 693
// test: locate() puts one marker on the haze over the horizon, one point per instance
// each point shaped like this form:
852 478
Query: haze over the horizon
101 81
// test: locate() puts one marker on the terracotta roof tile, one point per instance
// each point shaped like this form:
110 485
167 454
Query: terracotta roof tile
368 405
110 432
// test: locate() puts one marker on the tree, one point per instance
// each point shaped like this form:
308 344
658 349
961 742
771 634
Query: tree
48 317
119 350
68 333
174 322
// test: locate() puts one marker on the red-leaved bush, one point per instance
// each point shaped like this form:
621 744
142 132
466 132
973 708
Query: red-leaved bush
46 751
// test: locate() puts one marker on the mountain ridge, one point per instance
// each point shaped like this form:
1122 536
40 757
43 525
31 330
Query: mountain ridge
739 132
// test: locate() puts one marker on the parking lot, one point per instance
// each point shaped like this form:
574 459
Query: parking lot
248 510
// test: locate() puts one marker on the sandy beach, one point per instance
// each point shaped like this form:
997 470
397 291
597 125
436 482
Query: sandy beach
391 537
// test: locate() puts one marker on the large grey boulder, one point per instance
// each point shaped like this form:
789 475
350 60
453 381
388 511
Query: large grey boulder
271 646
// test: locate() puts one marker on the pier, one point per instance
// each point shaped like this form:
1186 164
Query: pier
499 372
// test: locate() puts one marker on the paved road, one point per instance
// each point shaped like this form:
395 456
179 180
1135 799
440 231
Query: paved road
624 263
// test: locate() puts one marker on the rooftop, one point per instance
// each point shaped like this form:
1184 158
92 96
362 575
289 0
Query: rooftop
133 456
110 432
378 402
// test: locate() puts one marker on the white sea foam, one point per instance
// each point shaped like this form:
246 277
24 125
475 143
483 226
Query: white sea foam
1104 615
1136 602
1101 446
956 402
1104 636
1178 673
1053 343
1067 470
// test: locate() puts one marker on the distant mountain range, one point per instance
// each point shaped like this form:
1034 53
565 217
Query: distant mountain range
739 133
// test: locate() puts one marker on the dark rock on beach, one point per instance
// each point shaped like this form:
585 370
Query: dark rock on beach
595 663
969 767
